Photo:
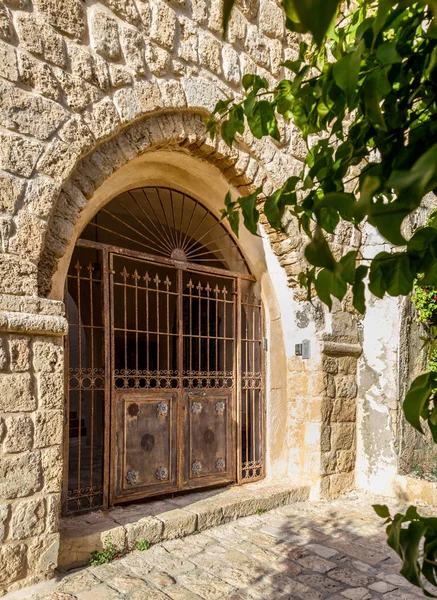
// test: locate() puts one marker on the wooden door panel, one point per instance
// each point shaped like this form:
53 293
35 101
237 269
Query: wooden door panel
209 454
145 453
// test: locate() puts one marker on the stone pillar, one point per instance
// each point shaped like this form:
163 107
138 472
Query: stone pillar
339 410
31 434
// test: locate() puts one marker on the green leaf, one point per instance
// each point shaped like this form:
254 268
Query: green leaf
387 53
227 9
318 252
346 72
233 125
324 284
254 81
381 510
376 87
347 263
417 398
314 15
249 211
262 120
358 289
410 543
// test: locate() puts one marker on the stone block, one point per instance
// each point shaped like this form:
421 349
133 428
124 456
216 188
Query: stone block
11 190
6 29
4 515
347 365
119 76
346 387
231 64
199 10
53 512
148 528
104 35
19 434
346 460
8 62
38 75
210 50
271 19
40 39
59 160
17 154
330 365
20 475
343 436
78 93
158 60
133 49
102 119
187 47
149 96
75 132
48 428
43 554
163 27
40 196
340 483
18 110
344 409
16 392
51 459
28 519
19 352
125 9
127 104
12 562
30 237
67 16
172 93
177 523
258 47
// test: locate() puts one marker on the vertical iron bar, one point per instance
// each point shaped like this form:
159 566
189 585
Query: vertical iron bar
79 333
92 387
108 325
66 406
238 383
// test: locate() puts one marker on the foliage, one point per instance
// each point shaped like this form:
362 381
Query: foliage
425 303
260 511
366 90
104 556
143 545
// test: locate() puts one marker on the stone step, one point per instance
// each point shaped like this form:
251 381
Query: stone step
160 520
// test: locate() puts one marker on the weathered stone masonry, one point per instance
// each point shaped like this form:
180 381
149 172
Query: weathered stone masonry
85 88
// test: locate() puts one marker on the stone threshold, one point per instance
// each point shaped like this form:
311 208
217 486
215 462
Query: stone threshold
160 520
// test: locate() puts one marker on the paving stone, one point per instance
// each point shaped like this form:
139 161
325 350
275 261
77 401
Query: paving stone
357 594
382 586
308 551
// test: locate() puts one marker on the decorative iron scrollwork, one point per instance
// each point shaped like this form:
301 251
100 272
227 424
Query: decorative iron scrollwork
162 409
220 464
197 393
196 408
220 407
132 477
196 467
161 473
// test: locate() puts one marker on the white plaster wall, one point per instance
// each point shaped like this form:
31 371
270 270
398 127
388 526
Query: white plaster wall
378 393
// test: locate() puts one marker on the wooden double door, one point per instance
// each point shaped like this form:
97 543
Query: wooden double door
173 352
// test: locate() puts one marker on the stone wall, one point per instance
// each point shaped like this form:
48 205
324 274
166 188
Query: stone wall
31 430
85 89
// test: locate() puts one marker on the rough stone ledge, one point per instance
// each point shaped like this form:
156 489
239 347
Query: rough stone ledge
160 520
33 324
30 304
341 349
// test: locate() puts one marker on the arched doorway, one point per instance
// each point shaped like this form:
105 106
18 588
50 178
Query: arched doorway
165 354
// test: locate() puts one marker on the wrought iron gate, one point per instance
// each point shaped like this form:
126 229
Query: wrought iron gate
164 382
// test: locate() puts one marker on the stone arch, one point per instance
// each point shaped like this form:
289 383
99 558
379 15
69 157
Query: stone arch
175 131
170 149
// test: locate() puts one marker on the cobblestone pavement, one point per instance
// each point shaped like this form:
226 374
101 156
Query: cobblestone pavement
305 551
